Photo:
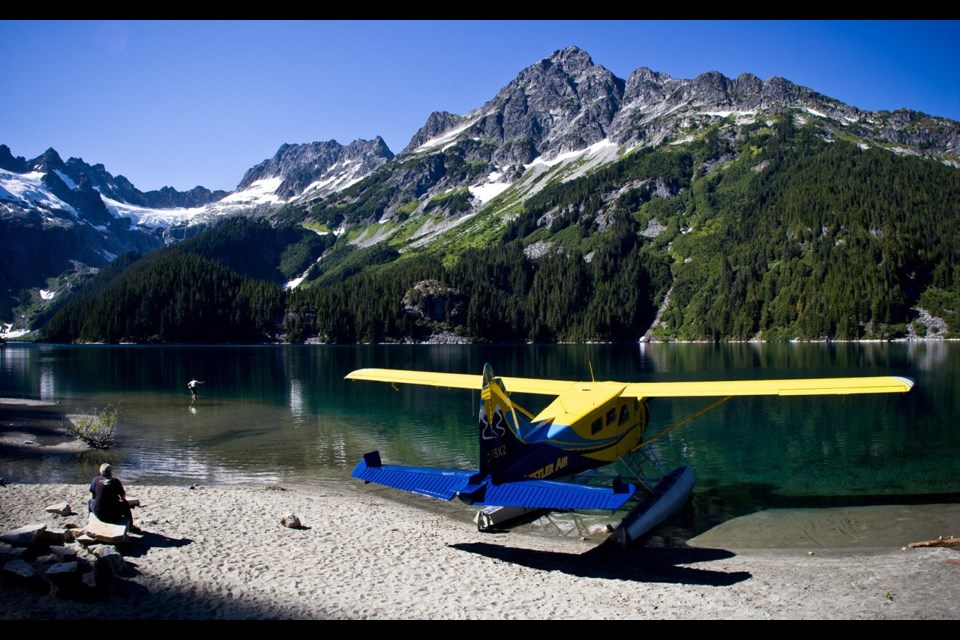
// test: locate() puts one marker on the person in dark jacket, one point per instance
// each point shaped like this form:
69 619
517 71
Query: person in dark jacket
109 501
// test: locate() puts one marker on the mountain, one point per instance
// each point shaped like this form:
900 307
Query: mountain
61 221
575 205
565 116
600 208
319 168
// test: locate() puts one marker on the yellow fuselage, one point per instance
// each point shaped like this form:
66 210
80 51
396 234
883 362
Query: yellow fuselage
592 419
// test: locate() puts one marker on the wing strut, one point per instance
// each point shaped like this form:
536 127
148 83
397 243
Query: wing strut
684 421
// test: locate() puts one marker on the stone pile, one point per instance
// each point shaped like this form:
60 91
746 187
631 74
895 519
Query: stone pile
70 560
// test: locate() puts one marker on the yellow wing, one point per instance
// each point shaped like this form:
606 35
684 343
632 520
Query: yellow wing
461 380
428 378
788 387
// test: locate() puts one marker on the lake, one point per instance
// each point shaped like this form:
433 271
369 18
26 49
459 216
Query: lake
274 414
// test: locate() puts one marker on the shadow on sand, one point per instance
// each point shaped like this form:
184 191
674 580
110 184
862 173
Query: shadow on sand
609 561
138 545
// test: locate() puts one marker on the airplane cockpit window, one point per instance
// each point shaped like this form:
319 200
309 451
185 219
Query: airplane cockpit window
624 413
611 416
596 426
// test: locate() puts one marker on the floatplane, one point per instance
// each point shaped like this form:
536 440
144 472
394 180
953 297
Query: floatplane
548 461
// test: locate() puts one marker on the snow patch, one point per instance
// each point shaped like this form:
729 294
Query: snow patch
570 155
597 154
903 151
594 155
47 295
293 284
432 228
260 192
445 138
339 177
28 188
740 115
490 188
66 179
144 216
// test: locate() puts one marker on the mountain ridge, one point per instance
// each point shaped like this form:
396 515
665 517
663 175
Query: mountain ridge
462 178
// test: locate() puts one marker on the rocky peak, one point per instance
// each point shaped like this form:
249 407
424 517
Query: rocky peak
572 61
645 86
328 162
561 103
169 198
16 164
437 124
97 177
48 161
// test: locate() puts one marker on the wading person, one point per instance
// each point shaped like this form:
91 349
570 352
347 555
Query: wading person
192 385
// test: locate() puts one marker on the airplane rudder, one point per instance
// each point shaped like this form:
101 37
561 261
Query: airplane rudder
496 438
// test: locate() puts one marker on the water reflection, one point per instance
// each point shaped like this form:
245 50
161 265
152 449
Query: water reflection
297 408
285 413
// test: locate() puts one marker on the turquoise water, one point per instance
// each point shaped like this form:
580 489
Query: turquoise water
285 414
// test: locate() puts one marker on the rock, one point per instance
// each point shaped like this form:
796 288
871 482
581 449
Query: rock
19 569
65 577
64 554
60 508
56 536
22 572
24 536
85 540
75 533
291 521
103 575
133 502
105 531
10 553
327 163
109 553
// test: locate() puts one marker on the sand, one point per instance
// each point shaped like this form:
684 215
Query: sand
365 552
220 552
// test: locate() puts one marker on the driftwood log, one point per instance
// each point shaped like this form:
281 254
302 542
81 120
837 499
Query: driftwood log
949 541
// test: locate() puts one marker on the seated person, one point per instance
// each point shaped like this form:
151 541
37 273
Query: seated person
109 502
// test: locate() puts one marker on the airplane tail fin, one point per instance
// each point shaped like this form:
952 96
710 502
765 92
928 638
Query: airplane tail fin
498 426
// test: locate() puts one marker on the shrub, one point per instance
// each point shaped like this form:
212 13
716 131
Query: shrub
96 430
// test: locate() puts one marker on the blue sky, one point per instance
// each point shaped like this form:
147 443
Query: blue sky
198 103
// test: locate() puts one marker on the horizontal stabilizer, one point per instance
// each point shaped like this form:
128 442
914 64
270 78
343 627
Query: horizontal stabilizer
550 494
436 483
447 484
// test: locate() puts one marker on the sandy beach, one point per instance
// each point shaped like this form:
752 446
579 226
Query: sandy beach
220 552
364 552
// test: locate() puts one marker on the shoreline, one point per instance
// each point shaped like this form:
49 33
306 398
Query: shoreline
367 552
642 340
220 552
